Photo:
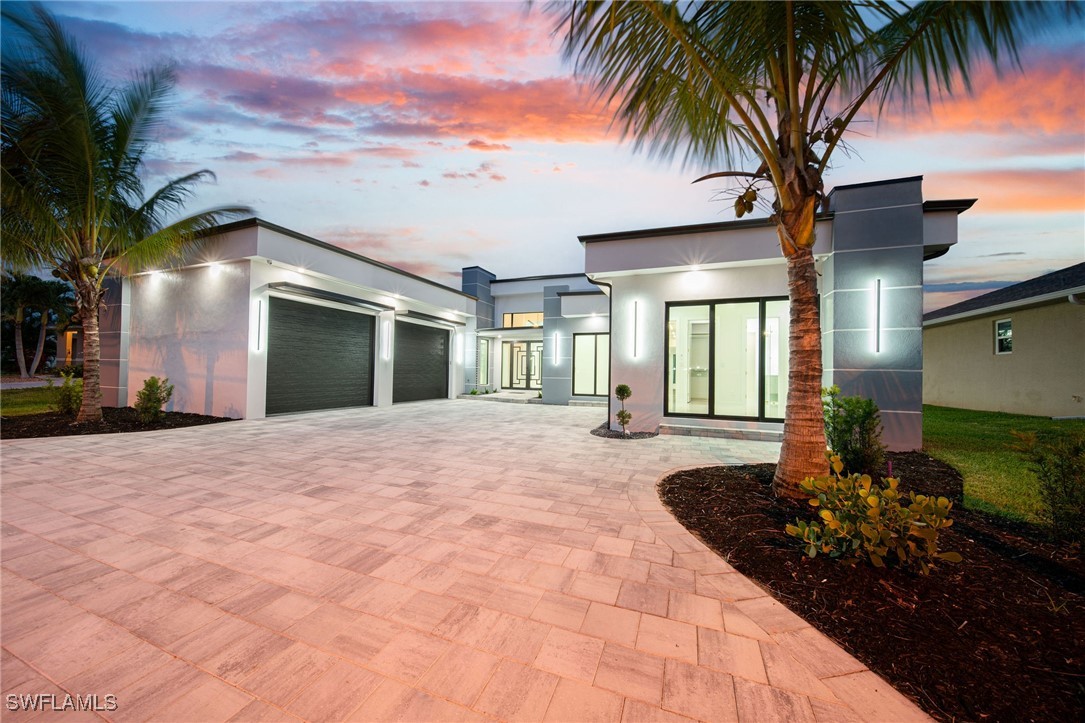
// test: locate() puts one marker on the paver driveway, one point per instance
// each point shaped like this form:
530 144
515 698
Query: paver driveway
440 560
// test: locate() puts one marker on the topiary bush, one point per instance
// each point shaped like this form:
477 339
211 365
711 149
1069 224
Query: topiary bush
1059 466
853 431
623 392
155 394
68 397
859 519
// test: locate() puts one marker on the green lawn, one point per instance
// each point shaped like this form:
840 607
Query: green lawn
20 402
996 479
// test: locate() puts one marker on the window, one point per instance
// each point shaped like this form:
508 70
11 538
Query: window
483 362
728 359
591 365
520 320
1003 336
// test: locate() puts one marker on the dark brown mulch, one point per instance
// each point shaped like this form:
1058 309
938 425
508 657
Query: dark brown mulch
604 430
998 637
114 419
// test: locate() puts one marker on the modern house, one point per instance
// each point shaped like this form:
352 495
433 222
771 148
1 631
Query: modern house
1018 349
264 320
544 333
700 316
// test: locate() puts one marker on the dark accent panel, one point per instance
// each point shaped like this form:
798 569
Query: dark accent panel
420 369
317 357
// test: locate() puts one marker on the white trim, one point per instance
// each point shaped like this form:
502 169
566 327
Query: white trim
995 329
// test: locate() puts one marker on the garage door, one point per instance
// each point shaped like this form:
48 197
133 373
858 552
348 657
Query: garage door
420 370
317 357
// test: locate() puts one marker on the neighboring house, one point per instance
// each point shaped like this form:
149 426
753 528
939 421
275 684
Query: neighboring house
1019 349
695 319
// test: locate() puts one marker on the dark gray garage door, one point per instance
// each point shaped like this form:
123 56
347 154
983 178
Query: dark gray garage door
420 369
317 357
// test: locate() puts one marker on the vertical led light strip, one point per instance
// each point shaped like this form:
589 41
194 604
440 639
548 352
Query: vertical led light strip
635 328
557 349
877 315
386 340
259 323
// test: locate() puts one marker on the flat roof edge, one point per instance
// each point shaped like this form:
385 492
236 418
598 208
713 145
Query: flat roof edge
685 230
261 223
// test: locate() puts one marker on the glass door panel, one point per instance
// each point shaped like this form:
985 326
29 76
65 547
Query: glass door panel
688 359
738 349
521 366
777 326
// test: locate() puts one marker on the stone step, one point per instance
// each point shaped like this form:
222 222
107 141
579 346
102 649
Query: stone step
754 435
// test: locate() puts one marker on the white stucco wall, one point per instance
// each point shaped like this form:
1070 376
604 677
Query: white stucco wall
191 325
644 370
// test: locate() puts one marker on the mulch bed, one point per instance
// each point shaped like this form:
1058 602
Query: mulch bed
114 419
998 637
604 430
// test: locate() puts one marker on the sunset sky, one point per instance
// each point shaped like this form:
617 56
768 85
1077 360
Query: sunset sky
435 136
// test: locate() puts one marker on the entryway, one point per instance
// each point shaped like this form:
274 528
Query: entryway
521 365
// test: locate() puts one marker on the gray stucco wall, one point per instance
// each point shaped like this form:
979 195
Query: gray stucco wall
877 236
557 383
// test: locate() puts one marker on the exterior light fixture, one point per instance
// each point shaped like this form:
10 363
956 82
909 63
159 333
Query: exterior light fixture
877 313
695 267
215 268
259 325
636 324
386 340
557 349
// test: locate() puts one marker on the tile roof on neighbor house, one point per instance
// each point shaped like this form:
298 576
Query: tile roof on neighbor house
1064 281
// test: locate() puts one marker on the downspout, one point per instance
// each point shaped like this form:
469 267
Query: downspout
1077 299
610 321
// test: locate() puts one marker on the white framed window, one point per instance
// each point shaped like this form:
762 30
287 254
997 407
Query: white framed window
591 364
483 362
1004 336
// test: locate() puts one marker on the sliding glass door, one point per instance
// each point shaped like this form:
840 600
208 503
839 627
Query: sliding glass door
727 359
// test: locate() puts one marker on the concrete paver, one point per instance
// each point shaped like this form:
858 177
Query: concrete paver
431 561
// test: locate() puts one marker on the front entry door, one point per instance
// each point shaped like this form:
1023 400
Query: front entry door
523 364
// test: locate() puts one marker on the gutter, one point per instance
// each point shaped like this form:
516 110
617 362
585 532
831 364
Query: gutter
610 320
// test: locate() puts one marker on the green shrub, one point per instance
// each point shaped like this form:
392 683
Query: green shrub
859 520
1059 466
623 392
150 400
853 431
474 392
68 397
75 370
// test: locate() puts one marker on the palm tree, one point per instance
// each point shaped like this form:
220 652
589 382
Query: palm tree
73 199
47 299
53 302
771 88
17 293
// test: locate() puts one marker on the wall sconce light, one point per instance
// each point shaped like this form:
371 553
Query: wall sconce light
386 340
636 326
556 354
877 316
259 325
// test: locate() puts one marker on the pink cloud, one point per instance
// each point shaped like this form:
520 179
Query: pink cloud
477 145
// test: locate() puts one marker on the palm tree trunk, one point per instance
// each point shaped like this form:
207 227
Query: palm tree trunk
803 452
20 354
41 343
91 408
